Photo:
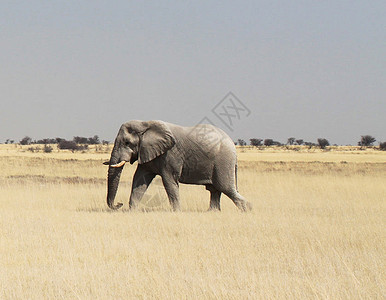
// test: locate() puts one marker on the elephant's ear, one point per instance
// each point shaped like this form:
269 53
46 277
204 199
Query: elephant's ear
156 140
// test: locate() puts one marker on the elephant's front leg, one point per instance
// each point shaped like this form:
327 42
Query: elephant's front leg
141 181
172 189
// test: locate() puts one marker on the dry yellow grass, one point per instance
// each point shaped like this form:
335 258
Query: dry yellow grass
317 230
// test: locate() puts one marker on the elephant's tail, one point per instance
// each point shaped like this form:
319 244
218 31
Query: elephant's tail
237 189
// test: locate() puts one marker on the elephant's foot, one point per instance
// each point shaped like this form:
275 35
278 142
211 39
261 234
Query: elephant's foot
133 205
244 206
175 206
239 200
248 206
214 208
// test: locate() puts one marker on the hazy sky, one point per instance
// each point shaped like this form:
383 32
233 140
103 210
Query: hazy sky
304 69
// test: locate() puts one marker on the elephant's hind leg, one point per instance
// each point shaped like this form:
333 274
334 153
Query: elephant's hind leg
214 197
239 200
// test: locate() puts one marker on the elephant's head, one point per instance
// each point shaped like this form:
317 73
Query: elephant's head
136 140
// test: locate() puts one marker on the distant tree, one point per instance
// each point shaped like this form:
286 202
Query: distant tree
382 146
26 141
268 142
323 143
80 140
48 141
105 142
299 142
366 141
93 140
43 141
255 142
310 144
291 141
277 143
83 140
58 140
241 142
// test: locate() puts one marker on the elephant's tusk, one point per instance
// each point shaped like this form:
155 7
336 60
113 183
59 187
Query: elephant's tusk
121 164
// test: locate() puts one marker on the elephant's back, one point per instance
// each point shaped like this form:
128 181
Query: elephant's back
204 138
208 133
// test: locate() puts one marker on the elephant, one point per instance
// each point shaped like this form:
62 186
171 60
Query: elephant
200 155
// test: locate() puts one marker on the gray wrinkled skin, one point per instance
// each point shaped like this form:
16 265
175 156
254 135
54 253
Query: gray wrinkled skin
203 155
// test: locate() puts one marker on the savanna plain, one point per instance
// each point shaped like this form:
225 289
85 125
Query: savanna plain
317 229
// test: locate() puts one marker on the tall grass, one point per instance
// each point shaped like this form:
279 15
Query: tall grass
317 230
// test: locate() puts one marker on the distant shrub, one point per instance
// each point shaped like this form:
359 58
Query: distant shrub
299 142
382 146
47 149
323 143
83 147
34 149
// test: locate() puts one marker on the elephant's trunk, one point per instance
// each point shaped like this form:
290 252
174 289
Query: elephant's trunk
113 177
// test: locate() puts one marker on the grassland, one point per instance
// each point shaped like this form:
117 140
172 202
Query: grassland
317 230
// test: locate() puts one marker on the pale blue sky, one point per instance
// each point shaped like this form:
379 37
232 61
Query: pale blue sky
305 69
